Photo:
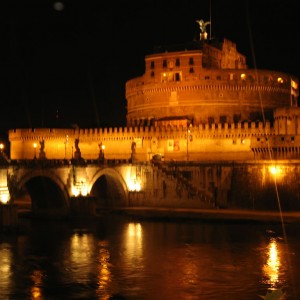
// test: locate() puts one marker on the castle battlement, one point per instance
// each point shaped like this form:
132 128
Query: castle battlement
247 128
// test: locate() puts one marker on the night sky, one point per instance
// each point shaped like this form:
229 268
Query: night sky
65 63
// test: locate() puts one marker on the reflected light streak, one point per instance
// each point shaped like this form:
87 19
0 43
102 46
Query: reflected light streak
5 268
134 241
271 268
36 291
80 247
104 276
81 255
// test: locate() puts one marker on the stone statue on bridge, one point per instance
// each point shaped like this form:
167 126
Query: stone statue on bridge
42 154
133 147
77 154
101 152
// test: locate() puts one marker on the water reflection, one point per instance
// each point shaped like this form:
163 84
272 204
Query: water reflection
148 260
5 268
36 289
81 254
271 268
104 270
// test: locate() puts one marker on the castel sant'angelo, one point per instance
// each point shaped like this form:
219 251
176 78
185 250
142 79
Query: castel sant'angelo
195 102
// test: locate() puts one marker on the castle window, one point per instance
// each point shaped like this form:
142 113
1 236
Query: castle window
191 70
152 74
236 118
282 138
211 120
223 119
231 76
177 77
191 62
177 63
218 77
292 138
164 63
152 65
206 77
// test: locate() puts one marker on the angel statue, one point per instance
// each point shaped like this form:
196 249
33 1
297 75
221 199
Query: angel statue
202 25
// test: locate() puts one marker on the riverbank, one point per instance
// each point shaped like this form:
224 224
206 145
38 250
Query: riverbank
207 214
184 214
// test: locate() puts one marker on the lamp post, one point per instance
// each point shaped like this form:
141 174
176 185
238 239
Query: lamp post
34 147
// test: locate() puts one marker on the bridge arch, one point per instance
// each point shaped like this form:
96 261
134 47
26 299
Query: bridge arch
48 193
109 188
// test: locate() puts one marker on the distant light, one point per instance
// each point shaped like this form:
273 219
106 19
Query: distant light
279 80
58 6
243 76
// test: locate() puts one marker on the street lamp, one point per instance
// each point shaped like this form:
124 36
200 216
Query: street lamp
34 147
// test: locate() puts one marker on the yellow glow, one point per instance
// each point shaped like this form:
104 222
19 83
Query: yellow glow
104 275
36 291
6 268
271 268
34 145
103 147
134 241
294 84
4 195
1 146
275 170
134 230
134 186
243 76
80 188
279 80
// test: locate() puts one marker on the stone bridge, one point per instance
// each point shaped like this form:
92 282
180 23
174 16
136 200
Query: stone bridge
61 187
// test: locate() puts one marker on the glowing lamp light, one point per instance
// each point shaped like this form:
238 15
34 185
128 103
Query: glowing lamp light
134 186
275 170
80 189
4 195
279 80
243 76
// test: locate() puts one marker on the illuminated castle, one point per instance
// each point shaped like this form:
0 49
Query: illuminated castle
197 101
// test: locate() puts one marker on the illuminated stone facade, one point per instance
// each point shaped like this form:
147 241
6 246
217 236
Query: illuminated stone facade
204 82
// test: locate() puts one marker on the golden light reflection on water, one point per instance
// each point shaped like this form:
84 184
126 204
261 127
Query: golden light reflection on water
134 235
133 242
36 291
81 248
104 272
272 266
5 268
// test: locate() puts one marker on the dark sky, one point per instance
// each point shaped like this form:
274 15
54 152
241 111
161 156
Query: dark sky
66 62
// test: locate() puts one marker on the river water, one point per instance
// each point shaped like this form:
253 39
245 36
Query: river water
114 257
